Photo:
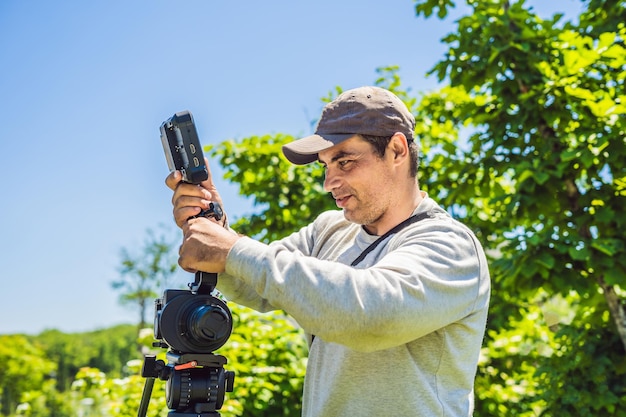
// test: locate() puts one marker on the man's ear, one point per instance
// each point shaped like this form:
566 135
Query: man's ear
399 146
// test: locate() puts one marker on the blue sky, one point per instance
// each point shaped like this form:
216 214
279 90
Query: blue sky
85 85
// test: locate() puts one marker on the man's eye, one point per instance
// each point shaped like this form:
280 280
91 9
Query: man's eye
344 163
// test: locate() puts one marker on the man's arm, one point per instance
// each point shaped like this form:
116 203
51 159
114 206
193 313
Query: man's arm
432 280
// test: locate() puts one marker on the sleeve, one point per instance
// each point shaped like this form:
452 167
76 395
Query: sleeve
240 290
429 277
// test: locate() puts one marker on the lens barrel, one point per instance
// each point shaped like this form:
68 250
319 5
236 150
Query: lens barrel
198 323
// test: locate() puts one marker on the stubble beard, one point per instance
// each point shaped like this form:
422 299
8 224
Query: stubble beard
364 215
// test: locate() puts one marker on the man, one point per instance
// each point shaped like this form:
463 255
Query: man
395 326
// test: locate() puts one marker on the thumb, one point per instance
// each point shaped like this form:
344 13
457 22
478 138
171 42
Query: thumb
173 179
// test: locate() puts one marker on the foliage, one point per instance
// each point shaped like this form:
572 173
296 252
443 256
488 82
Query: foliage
506 384
585 375
24 369
268 354
38 371
108 350
144 274
97 395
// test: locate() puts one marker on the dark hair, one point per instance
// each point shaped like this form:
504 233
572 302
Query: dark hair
380 146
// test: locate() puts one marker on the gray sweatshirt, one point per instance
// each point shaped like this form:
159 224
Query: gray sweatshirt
398 334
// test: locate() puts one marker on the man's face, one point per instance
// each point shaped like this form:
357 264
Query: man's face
360 181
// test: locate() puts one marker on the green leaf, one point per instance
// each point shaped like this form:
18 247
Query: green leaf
579 254
546 260
609 247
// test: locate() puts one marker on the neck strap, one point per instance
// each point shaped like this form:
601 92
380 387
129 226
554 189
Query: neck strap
396 229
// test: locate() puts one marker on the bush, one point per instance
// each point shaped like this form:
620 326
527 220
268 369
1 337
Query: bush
268 354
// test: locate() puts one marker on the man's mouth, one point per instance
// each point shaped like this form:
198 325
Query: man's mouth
341 201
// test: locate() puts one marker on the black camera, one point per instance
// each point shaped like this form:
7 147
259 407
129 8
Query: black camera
192 323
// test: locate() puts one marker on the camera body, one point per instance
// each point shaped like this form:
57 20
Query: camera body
191 324
182 148
192 321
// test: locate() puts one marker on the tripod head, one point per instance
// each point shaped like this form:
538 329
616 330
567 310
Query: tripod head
196 383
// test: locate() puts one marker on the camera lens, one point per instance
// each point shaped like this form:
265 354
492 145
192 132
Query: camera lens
195 323
209 323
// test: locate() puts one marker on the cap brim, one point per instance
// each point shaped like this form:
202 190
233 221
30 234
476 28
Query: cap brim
304 151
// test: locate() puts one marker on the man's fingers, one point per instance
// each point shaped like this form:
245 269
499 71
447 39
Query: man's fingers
173 179
182 214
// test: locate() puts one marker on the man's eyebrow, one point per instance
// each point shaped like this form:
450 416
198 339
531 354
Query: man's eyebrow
338 155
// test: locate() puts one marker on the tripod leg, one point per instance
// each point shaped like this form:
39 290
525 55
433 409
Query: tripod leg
145 397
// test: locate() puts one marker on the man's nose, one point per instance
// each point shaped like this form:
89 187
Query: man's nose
330 180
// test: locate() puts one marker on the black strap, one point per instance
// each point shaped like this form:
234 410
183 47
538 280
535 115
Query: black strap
396 229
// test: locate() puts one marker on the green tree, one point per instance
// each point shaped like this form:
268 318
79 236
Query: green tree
64 351
24 369
543 169
541 177
108 350
144 274
38 371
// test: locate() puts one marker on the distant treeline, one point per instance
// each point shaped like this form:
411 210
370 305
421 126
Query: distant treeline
51 360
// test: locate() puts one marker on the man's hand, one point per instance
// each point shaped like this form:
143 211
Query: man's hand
190 199
205 246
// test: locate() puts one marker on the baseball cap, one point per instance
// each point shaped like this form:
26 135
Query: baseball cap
365 110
